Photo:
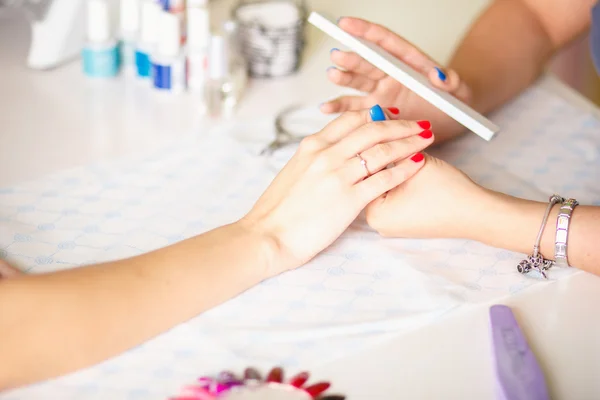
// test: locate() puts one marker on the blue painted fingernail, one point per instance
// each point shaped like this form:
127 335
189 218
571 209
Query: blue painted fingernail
441 74
377 113
330 68
334 49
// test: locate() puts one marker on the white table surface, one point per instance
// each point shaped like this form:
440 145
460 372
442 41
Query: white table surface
58 119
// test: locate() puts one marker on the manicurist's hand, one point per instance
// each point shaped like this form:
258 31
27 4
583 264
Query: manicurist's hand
379 88
325 185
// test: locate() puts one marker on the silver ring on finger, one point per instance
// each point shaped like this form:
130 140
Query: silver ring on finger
363 162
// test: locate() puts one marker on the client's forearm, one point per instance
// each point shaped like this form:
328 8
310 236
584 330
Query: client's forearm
513 224
92 313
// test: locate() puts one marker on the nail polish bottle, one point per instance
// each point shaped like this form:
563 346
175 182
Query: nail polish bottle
238 69
227 72
177 8
198 39
147 40
168 61
218 88
100 53
130 25
172 6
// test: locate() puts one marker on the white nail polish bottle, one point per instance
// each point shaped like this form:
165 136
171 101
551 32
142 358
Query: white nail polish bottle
130 25
198 39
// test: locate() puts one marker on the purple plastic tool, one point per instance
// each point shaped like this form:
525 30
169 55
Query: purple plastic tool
518 375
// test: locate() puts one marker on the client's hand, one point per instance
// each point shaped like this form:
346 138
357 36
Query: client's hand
382 89
440 202
325 186
6 271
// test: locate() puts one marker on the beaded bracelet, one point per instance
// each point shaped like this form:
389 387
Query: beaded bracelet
536 261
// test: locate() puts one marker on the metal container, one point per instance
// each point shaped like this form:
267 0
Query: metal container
271 35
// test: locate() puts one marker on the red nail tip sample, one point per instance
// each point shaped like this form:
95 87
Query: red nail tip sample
299 379
252 373
276 375
317 388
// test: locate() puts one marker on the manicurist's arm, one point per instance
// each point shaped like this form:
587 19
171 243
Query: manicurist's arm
504 51
509 45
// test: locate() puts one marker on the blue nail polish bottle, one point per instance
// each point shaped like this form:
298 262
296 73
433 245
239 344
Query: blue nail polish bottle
148 37
168 62
164 4
377 113
100 56
441 74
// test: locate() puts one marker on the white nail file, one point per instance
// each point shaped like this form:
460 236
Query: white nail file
407 76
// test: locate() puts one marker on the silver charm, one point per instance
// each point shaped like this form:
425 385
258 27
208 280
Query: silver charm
535 262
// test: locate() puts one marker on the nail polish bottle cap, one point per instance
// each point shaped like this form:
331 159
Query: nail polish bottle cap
98 21
198 26
150 14
169 37
217 58
130 16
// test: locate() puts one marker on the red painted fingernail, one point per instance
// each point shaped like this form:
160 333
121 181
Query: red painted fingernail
426 134
394 110
424 124
418 157
317 388
299 379
276 375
